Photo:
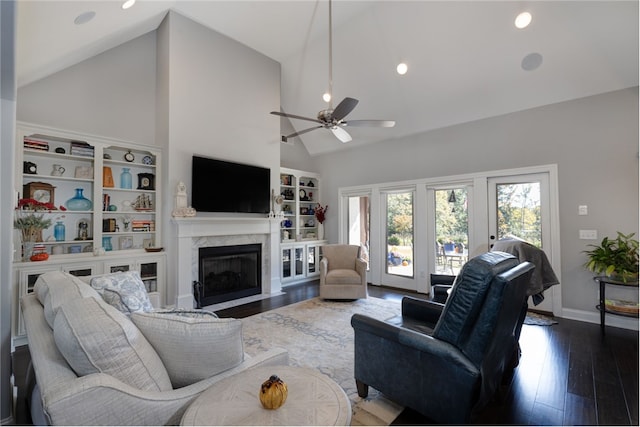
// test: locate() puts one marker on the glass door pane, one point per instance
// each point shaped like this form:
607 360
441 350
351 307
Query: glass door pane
299 261
311 259
359 227
452 230
286 263
399 234
518 212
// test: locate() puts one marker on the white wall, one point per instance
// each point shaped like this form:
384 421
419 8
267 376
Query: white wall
219 94
7 148
593 140
111 94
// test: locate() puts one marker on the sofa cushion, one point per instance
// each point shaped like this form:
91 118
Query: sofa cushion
124 290
95 337
54 288
193 345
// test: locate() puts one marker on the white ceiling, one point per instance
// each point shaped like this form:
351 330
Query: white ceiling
464 57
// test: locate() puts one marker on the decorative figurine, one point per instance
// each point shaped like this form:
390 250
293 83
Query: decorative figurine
181 207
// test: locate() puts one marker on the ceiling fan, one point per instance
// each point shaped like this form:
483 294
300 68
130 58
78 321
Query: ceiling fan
333 118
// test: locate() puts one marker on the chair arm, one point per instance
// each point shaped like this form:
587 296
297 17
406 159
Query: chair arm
361 268
422 310
433 348
102 399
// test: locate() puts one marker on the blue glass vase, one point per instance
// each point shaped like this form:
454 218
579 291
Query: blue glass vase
59 231
125 179
78 202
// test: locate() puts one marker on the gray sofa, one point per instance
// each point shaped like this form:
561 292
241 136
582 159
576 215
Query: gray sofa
94 366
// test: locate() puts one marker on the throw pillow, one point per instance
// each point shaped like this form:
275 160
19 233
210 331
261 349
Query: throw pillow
94 337
123 290
193 345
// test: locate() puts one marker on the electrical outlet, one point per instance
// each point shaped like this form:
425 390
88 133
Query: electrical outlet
589 234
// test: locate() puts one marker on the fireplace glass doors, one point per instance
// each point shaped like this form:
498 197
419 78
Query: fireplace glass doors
229 272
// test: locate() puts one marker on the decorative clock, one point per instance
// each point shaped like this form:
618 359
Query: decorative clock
146 181
40 191
129 157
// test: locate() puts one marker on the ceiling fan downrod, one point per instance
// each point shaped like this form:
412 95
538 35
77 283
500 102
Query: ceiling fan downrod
330 60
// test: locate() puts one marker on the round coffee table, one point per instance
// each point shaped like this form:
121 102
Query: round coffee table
313 399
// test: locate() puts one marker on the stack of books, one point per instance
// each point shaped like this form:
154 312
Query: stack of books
143 225
106 201
35 144
80 148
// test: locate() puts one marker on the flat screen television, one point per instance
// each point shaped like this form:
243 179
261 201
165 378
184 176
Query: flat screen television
223 186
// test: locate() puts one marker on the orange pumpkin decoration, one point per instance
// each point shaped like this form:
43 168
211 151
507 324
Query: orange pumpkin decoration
41 256
273 393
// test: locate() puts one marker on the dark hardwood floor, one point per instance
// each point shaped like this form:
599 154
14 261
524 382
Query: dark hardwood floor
569 373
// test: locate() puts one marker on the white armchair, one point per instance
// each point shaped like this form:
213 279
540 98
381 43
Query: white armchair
343 275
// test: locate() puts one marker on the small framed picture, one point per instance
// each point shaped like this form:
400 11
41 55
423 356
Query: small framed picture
126 242
147 243
84 172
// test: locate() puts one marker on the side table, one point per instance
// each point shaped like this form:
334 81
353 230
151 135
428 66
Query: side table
313 399
603 281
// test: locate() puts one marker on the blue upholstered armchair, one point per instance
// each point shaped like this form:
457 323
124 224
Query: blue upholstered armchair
447 360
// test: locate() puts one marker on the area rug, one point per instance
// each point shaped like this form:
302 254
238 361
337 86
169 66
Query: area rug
318 334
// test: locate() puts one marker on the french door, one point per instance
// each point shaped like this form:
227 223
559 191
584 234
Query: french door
520 206
398 238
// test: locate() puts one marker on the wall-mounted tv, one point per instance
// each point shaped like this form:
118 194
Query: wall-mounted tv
223 186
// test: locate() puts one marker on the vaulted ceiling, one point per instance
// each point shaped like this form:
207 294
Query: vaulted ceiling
465 58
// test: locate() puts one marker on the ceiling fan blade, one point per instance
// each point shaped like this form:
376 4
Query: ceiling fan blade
345 107
293 116
284 138
341 134
372 123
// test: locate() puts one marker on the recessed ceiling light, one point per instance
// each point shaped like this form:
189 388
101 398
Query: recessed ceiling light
402 68
523 20
326 97
127 4
85 17
531 61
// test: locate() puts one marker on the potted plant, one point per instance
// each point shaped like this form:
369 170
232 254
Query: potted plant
30 220
616 258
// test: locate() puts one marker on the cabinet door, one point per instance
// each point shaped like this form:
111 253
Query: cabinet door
299 255
312 260
80 269
117 266
286 256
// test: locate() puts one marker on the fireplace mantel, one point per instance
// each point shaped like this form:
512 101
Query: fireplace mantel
224 226
193 231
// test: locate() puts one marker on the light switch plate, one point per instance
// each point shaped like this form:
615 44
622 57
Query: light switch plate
583 210
588 234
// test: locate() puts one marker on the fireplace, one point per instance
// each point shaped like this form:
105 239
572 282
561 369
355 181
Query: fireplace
228 272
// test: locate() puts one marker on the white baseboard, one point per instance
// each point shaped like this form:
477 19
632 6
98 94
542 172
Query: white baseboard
610 319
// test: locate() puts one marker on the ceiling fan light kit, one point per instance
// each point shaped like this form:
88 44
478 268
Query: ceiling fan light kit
333 118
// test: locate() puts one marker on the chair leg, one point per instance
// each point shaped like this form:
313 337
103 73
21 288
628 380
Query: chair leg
363 389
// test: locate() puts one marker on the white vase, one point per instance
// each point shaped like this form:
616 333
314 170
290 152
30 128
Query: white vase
320 231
